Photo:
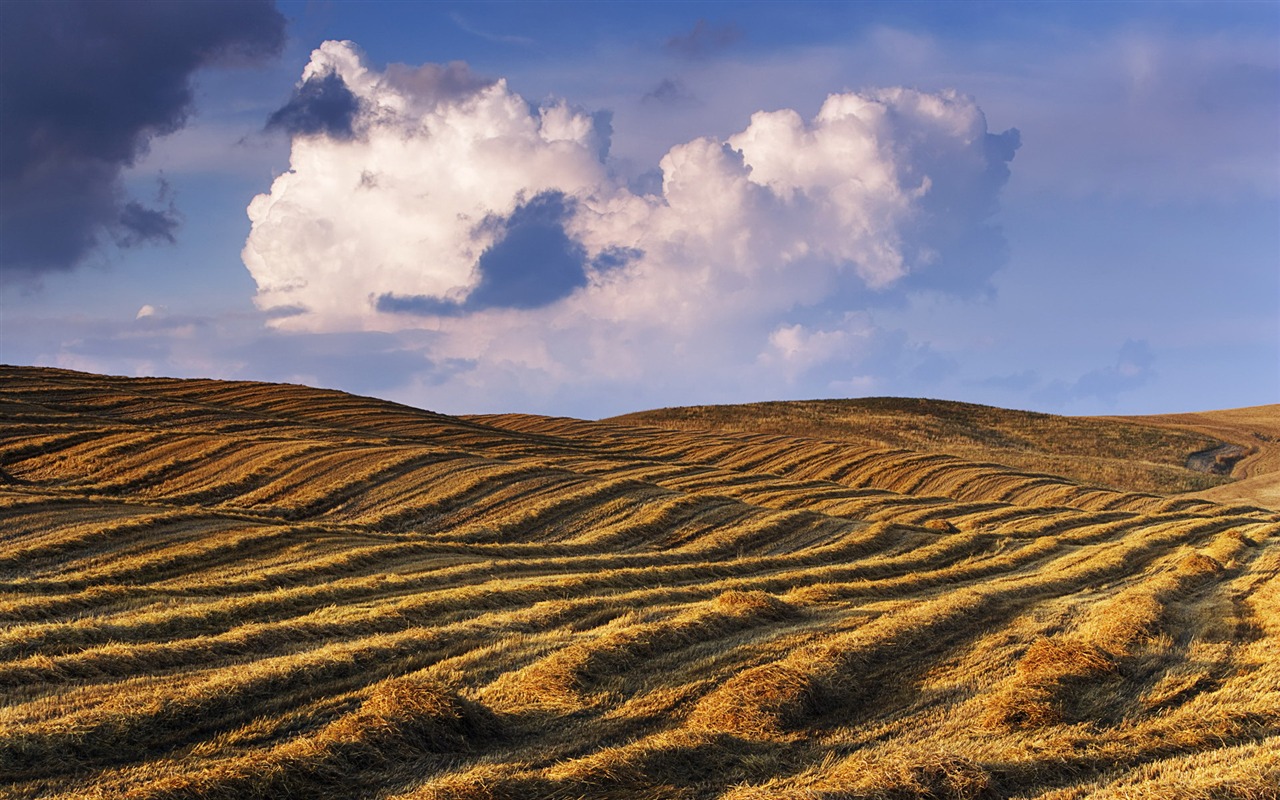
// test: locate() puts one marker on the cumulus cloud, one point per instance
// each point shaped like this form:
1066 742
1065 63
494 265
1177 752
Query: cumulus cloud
795 349
84 86
437 164
322 105
449 203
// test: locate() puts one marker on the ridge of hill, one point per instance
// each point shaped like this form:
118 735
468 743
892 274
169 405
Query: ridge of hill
1141 453
238 590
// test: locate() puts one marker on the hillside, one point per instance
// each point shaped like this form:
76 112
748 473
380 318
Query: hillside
1254 433
1116 452
238 590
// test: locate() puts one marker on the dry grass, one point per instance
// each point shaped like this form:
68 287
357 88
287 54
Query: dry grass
1133 454
231 590
1254 431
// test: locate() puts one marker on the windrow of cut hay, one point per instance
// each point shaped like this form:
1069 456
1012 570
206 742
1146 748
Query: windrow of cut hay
1117 453
237 590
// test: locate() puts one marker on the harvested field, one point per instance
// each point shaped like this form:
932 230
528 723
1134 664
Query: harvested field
237 590
1132 454
1252 449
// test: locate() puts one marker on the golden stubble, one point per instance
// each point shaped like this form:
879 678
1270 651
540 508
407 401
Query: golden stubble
232 590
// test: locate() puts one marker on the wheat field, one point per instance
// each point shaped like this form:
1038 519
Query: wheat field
237 590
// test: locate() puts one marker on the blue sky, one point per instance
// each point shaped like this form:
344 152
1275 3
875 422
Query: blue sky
591 208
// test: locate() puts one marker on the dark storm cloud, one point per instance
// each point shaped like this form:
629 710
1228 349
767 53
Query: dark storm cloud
535 262
420 305
704 40
615 257
321 105
84 87
141 224
532 264
324 105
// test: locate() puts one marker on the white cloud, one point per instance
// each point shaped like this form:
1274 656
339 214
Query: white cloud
400 209
796 349
457 207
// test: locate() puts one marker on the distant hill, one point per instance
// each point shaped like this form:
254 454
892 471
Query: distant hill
244 590
1142 454
1251 455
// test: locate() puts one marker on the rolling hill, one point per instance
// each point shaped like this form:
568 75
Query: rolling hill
238 590
1144 454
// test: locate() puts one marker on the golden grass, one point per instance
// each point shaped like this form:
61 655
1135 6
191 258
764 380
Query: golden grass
232 590
1146 454
1255 432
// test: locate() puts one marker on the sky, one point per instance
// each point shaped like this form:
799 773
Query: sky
585 209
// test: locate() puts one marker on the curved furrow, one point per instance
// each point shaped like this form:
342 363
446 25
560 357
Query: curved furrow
767 489
311 483
450 589
35 520
841 674
229 473
456 492
104 661
161 556
895 470
59 457
793 493
136 470
86 538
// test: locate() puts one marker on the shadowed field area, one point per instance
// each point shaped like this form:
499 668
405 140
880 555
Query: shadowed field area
236 590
